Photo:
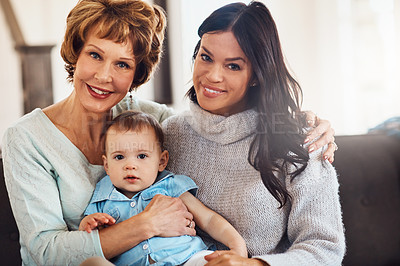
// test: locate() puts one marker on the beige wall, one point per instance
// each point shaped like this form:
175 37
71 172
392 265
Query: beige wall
10 81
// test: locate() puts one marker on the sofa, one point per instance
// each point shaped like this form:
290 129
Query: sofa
368 168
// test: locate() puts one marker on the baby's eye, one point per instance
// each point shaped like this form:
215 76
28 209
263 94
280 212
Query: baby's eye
234 67
119 157
205 57
123 65
142 156
94 55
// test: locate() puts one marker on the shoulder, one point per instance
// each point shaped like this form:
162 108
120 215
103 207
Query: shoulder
176 123
178 133
184 181
176 119
100 195
159 111
184 184
176 185
28 121
317 171
27 128
103 189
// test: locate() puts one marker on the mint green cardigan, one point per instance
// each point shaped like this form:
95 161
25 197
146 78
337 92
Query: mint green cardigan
50 183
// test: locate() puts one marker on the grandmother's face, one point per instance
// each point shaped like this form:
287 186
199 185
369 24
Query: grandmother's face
221 74
103 73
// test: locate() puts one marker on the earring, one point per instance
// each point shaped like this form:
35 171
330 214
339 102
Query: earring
253 84
130 96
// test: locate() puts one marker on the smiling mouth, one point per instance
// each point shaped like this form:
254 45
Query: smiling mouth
99 91
213 91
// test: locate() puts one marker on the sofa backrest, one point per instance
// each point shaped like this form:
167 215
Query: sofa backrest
9 236
368 167
369 175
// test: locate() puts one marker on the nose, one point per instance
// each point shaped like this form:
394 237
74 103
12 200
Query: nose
130 165
103 73
215 73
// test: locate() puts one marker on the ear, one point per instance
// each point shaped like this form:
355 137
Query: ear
105 163
253 82
163 160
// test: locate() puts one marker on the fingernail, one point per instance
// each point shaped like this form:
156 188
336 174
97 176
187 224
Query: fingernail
311 149
307 140
325 157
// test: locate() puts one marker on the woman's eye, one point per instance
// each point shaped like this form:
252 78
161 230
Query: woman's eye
123 65
234 67
205 57
118 157
142 156
94 55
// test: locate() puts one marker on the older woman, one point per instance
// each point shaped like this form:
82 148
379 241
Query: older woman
52 157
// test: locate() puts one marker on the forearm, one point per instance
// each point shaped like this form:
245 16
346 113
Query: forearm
215 225
121 237
222 231
57 247
163 216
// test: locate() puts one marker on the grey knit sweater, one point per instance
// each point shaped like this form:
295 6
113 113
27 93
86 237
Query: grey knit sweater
213 150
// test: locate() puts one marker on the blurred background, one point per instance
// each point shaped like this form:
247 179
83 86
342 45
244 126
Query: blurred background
344 53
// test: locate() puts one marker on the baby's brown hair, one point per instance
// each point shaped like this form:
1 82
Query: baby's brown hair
135 121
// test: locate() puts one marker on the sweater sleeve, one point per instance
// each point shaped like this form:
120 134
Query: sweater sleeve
315 229
35 200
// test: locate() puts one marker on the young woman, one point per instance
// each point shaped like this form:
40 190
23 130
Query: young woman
52 157
242 143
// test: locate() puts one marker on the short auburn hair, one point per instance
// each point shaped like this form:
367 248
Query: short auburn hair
120 21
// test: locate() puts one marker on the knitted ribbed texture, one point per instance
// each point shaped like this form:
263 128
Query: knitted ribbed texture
213 150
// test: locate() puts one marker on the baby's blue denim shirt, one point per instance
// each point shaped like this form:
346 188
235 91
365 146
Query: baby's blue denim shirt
164 250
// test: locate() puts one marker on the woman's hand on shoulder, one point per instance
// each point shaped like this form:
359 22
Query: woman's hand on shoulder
229 257
321 128
168 217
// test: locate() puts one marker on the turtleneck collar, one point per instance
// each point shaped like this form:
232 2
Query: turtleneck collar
221 129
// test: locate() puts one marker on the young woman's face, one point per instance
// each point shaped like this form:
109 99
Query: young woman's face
221 74
104 73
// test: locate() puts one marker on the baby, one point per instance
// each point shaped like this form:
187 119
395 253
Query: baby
135 163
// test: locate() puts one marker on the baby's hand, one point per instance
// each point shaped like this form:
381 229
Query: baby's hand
95 220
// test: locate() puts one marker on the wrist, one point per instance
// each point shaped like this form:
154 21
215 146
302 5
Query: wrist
239 246
259 262
146 225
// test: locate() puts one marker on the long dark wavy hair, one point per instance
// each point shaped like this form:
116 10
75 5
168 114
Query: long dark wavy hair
273 91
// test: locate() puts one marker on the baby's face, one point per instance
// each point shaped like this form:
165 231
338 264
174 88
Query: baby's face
133 159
